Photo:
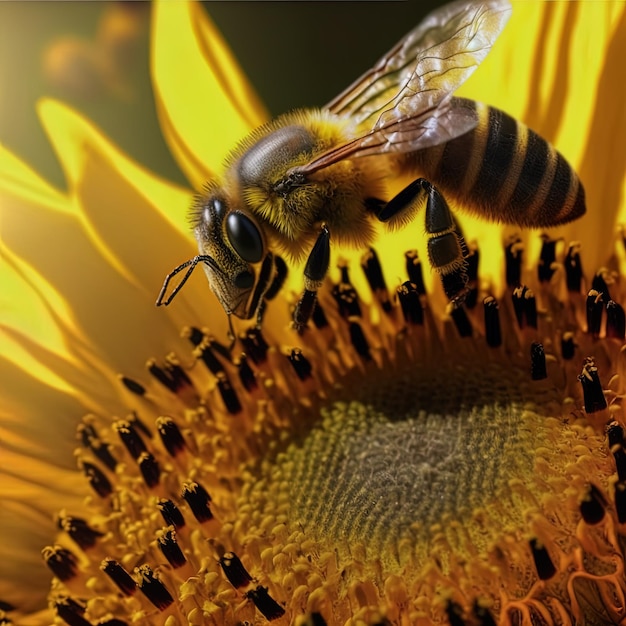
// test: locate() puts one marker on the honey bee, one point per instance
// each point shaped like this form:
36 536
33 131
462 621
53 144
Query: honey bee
310 174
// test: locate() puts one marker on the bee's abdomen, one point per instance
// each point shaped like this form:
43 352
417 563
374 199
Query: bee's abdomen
505 171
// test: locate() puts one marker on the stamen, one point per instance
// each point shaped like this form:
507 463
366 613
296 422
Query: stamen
513 253
615 435
61 562
525 307
171 514
208 357
319 317
98 481
593 396
615 321
600 285
228 394
130 438
172 376
359 341
71 612
234 570
89 438
547 259
592 507
461 321
153 588
265 603
301 365
133 386
247 376
414 271
198 500
573 268
194 335
454 612
483 615
374 275
170 434
149 468
568 346
345 296
170 549
594 310
254 345
493 334
543 563
119 576
538 369
80 532
410 303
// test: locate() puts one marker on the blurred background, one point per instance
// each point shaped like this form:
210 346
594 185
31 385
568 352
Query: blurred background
95 57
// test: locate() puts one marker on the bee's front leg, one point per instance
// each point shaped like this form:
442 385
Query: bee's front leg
446 247
315 271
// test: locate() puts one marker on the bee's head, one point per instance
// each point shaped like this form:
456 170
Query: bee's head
240 265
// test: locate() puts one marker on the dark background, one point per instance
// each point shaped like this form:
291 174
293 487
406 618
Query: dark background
295 54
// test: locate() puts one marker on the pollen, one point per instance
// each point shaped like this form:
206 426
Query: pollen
388 464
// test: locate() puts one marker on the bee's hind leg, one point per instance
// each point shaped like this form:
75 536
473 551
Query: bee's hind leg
315 271
446 246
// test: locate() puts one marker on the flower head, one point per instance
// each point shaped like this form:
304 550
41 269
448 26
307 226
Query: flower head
396 461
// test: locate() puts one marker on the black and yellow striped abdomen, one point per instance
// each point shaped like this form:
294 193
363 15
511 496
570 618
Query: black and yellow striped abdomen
503 171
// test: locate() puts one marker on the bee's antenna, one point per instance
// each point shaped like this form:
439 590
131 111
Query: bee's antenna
191 264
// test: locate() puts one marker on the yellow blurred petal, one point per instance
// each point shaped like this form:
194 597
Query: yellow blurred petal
204 101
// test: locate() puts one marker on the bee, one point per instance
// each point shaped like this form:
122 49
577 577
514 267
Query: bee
312 174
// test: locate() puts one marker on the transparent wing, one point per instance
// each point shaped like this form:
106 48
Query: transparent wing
403 103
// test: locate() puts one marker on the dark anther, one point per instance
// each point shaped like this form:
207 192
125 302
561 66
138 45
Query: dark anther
593 396
594 308
304 309
71 612
483 615
153 588
318 317
513 252
615 321
301 365
461 321
247 376
119 576
374 274
454 613
209 358
98 481
573 268
471 260
314 619
493 334
410 303
130 438
538 369
543 563
254 345
171 436
171 514
265 603
359 341
615 435
600 285
80 532
228 394
195 335
133 386
61 562
172 376
593 505
619 456
620 501
234 570
149 468
347 300
138 424
89 438
170 549
525 307
568 346
547 259
197 497
414 271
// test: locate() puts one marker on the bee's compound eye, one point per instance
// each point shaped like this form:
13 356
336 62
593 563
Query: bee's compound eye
244 237
244 280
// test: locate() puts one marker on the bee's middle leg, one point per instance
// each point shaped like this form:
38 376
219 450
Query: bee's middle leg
446 247
315 271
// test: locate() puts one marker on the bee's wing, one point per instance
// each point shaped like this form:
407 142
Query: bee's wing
403 103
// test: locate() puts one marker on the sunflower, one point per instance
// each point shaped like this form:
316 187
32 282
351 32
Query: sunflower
399 462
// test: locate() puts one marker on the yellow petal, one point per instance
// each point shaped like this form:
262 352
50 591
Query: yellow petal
204 102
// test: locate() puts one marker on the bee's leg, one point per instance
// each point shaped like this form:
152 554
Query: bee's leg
314 273
446 246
